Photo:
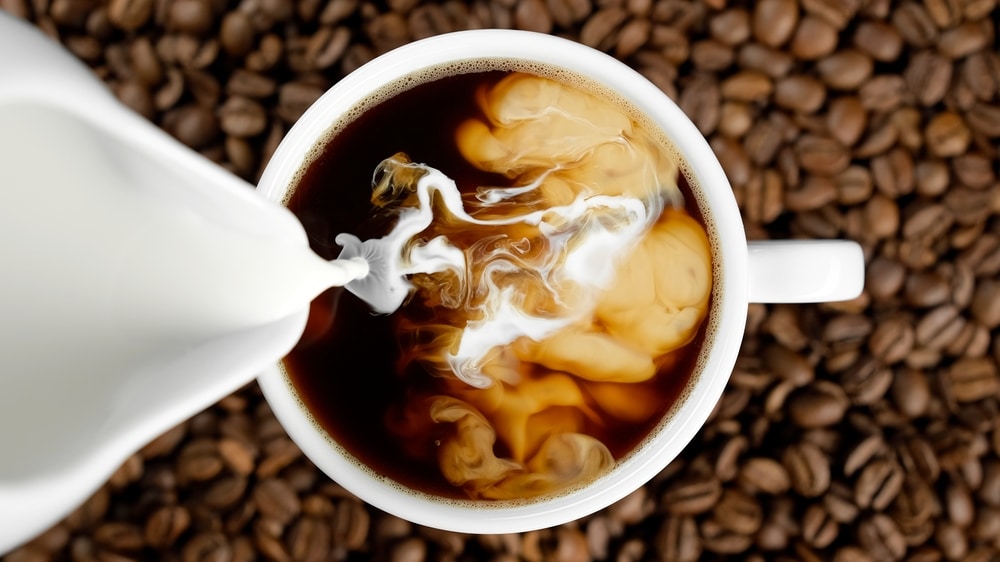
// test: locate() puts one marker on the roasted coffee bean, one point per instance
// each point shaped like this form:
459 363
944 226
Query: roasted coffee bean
928 76
818 528
866 381
772 62
738 512
880 536
799 93
677 540
765 475
774 21
892 340
846 119
821 155
814 38
879 40
985 304
973 378
808 469
207 547
820 404
130 14
692 496
165 525
192 124
747 86
878 484
911 392
947 134
846 69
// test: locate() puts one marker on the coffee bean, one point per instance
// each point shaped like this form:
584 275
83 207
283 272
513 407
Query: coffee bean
772 62
765 475
880 137
165 525
846 330
730 27
747 86
692 496
677 540
838 13
713 56
738 512
866 381
893 339
191 16
718 540
959 504
976 73
808 469
986 303
820 404
799 93
882 93
947 134
275 498
242 117
878 484
195 125
879 40
928 76
821 155
816 192
939 327
774 21
927 222
846 69
880 536
911 392
700 101
973 378
814 38
884 278
818 528
846 119
963 40
951 540
130 14
599 29
207 547
635 34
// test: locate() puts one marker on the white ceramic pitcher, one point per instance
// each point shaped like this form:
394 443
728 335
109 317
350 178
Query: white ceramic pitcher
90 369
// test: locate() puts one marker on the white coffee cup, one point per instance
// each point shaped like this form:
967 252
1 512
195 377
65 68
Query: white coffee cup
783 271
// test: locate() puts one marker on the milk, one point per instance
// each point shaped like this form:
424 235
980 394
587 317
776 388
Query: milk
107 276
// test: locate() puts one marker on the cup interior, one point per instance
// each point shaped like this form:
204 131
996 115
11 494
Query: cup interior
725 323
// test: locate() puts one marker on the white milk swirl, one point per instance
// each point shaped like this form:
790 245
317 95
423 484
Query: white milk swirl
588 238
554 299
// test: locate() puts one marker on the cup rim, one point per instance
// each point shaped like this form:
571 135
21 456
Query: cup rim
729 295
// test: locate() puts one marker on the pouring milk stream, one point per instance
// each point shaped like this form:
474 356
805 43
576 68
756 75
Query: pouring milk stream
141 283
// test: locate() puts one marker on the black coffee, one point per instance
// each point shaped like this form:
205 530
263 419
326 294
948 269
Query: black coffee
356 371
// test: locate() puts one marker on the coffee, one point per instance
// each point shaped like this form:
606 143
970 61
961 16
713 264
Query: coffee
528 362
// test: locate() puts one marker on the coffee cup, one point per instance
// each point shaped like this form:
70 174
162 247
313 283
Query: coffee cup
743 272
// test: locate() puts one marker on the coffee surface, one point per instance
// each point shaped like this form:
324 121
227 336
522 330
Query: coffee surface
540 302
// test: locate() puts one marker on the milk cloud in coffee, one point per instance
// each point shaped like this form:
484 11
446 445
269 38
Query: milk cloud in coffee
544 306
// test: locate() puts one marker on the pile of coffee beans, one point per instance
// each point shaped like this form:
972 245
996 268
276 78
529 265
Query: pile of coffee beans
860 431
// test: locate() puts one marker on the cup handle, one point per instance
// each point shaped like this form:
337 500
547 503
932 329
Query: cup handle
805 271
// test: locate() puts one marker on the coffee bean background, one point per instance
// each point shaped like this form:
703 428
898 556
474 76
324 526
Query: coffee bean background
860 431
